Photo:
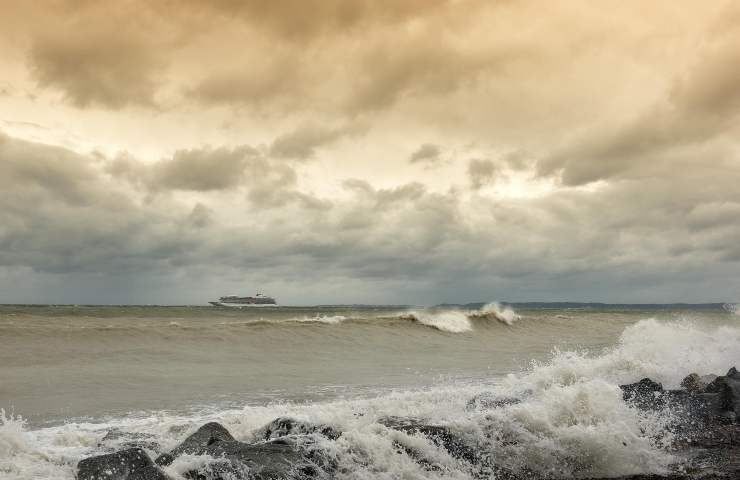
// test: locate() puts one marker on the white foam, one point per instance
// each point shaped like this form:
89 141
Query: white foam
732 308
328 319
448 321
495 311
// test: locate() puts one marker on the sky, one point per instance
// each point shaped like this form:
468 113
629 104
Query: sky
369 151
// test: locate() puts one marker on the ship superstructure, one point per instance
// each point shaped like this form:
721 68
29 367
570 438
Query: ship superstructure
259 300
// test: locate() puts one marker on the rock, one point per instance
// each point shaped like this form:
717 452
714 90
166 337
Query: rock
440 435
117 439
283 426
694 409
488 401
206 435
695 384
262 461
728 387
282 458
645 394
131 464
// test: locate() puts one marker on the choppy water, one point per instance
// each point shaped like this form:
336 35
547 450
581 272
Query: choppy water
73 373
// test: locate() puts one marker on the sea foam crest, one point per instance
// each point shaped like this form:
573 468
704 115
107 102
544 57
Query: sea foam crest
495 311
458 321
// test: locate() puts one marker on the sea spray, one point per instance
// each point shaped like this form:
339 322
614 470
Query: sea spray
457 321
447 321
495 311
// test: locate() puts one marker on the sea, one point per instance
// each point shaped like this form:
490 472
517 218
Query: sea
69 375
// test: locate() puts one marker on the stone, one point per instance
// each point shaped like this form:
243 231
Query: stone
282 458
489 401
441 436
283 426
728 387
206 435
645 394
130 464
117 439
261 461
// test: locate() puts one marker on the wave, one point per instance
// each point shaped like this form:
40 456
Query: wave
446 321
570 419
328 319
458 321
733 308
494 311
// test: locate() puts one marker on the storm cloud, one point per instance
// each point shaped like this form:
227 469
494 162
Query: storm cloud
380 152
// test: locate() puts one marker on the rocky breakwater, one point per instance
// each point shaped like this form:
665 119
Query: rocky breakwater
702 423
705 422
284 450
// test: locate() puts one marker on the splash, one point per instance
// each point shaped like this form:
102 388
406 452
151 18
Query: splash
328 319
495 311
451 321
733 308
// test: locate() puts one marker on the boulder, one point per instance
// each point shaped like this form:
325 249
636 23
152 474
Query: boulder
695 383
283 426
440 435
645 394
206 435
489 401
130 464
117 439
261 461
282 458
728 388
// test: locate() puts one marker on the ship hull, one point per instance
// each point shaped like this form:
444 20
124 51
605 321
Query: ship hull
242 305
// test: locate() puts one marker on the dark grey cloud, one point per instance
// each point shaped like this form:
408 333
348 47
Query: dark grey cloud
63 214
301 143
481 172
426 153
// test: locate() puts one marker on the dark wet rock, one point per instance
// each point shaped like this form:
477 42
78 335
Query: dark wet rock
489 401
261 461
206 435
283 426
441 436
645 394
117 439
695 383
728 388
289 456
130 464
697 409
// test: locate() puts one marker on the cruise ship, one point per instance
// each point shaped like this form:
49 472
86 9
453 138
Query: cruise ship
258 300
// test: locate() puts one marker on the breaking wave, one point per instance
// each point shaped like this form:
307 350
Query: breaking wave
566 417
329 319
732 308
458 321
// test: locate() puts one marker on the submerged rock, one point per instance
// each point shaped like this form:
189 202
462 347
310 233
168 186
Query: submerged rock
283 426
117 439
489 401
130 464
441 436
